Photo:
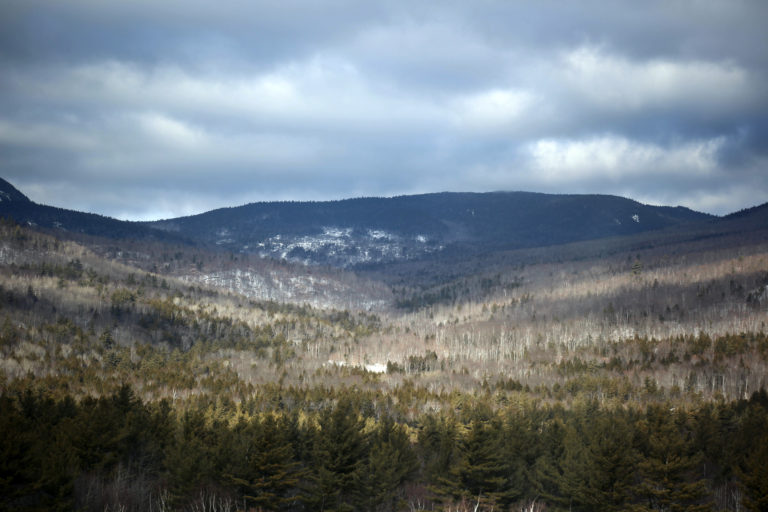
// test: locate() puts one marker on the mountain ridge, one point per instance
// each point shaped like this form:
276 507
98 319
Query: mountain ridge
363 230
374 230
25 211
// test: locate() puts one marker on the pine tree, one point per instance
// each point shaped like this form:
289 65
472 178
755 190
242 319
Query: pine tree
269 478
18 467
521 447
341 451
754 476
481 471
436 441
597 466
189 457
668 480
547 474
390 462
749 452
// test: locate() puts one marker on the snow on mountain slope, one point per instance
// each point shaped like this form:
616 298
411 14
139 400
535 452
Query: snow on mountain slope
316 291
343 247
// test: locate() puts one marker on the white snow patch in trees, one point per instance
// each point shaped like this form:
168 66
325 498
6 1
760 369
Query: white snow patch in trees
376 368
371 368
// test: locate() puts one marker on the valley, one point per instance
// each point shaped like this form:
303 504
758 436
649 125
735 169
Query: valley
502 378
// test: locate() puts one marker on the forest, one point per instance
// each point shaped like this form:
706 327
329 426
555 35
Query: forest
344 449
633 380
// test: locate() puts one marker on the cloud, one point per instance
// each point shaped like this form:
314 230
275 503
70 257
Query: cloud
494 109
210 105
617 83
616 158
37 135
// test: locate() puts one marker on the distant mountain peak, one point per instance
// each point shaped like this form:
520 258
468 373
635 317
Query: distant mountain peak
17 206
9 193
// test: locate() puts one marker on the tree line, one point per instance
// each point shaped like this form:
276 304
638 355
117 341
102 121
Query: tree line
340 453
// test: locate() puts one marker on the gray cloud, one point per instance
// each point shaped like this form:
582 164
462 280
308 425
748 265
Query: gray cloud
154 109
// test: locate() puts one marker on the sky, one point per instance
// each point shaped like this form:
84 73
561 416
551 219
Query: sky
149 109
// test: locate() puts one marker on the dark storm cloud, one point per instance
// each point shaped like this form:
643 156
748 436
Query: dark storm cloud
154 109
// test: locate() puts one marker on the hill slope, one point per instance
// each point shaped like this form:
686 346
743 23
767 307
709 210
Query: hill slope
361 231
371 230
15 205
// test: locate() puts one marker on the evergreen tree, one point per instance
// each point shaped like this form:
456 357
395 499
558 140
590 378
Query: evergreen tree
521 447
341 451
481 470
547 474
668 480
189 459
754 476
436 441
391 461
749 452
269 478
598 462
17 465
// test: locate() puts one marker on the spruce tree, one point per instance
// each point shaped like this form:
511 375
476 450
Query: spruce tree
597 466
189 456
480 471
340 455
668 480
390 462
754 476
269 478
19 468
547 475
436 441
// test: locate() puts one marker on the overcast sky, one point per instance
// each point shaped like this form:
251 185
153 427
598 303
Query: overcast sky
147 109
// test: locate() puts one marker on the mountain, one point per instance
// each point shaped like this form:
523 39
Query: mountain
101 360
15 205
375 230
757 213
366 231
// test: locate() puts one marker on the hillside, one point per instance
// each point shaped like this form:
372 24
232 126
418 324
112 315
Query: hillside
140 375
730 234
365 231
149 384
374 230
15 205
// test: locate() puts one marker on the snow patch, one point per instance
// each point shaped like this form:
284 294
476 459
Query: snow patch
378 234
636 218
337 232
376 368
343 246
372 368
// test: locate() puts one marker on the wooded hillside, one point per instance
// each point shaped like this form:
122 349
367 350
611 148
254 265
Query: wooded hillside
630 381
